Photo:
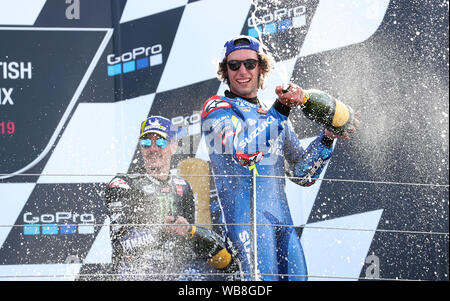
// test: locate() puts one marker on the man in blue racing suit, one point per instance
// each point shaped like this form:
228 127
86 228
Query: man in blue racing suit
246 140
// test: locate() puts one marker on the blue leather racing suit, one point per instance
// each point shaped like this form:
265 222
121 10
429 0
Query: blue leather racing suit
231 125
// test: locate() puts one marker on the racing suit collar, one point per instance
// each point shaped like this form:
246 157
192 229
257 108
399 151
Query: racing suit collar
158 181
253 100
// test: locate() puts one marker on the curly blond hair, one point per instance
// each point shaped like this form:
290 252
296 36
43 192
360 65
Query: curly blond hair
265 62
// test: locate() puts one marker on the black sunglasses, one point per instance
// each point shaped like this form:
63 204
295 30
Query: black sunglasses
249 64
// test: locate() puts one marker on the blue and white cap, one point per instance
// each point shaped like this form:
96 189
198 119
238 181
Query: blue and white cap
230 46
158 125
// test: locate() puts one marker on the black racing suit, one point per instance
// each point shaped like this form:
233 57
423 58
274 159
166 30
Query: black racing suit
144 249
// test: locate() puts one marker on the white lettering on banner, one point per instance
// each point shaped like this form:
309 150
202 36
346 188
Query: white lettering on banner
16 70
5 96
187 120
13 71
73 10
373 270
133 54
59 217
277 15
191 123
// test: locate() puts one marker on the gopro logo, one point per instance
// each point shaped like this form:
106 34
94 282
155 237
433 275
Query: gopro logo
278 21
136 59
58 223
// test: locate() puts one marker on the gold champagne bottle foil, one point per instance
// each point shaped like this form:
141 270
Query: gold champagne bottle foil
341 114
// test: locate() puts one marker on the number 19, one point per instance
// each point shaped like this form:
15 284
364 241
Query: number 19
7 127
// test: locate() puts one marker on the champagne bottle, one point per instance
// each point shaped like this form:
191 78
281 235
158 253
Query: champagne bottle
327 110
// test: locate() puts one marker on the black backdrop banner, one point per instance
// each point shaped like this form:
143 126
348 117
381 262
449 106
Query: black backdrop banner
76 80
